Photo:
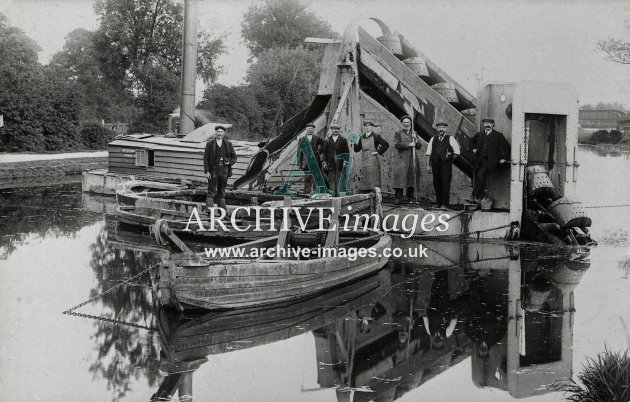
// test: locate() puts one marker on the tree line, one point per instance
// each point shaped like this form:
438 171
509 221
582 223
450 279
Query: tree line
128 70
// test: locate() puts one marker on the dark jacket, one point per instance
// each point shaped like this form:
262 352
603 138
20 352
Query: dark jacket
332 149
379 144
498 147
211 156
317 145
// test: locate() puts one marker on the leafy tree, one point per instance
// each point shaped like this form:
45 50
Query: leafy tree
18 69
95 136
138 48
237 105
283 76
40 111
283 81
616 50
281 23
78 63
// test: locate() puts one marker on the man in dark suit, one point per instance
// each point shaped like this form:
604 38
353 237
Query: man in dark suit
218 159
491 150
317 146
335 145
442 149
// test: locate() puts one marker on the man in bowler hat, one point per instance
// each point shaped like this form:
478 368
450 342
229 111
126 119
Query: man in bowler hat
491 150
442 149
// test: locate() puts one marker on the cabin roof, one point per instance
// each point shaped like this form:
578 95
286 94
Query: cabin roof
203 133
242 148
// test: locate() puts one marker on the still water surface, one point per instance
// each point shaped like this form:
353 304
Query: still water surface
443 328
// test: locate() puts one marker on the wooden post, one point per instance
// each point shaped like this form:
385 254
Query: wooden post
332 239
284 234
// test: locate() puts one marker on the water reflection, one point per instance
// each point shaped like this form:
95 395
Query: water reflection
39 212
502 305
124 351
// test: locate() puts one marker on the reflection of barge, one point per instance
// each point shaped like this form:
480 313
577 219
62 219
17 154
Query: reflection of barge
387 335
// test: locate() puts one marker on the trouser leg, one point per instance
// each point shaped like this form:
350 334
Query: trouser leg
308 184
212 190
222 180
480 179
333 182
410 193
398 193
446 173
435 169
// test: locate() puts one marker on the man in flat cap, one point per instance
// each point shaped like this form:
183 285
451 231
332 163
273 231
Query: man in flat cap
317 146
442 149
371 146
491 150
335 145
406 169
218 159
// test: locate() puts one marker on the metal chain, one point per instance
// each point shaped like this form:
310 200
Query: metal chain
70 311
112 320
360 240
436 236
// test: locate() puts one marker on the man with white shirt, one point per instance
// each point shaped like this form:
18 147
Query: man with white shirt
335 145
441 151
218 159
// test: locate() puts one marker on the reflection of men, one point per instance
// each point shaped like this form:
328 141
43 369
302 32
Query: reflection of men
335 145
441 151
317 146
491 150
405 177
218 159
440 320
371 145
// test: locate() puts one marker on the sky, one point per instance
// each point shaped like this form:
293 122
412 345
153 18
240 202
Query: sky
497 40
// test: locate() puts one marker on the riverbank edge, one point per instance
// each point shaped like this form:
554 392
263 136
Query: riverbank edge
53 168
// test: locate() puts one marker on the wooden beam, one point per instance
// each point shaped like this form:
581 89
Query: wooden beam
342 100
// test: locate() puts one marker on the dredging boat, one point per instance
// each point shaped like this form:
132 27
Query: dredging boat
382 79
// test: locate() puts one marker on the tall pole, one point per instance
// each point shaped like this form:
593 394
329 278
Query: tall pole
189 68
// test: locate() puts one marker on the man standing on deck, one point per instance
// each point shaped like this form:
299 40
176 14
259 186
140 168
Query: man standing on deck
218 159
491 150
441 151
317 146
333 166
406 166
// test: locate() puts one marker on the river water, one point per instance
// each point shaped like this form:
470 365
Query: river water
443 328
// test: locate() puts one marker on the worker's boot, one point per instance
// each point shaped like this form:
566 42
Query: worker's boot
221 203
410 196
209 203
